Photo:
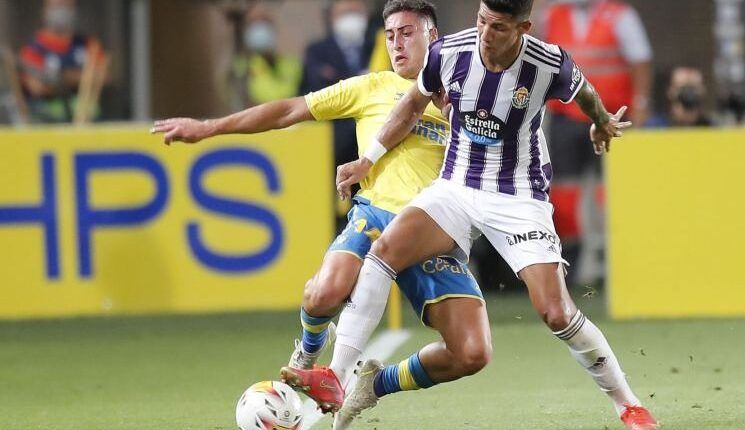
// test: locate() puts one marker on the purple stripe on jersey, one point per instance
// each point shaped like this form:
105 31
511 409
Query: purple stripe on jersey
477 154
515 118
460 73
432 67
535 173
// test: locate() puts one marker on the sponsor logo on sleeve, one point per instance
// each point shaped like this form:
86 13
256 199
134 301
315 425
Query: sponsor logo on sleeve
576 77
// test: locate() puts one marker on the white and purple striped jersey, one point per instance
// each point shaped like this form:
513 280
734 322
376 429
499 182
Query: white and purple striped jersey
496 142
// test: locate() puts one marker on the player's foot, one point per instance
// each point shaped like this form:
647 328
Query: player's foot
305 360
638 418
362 397
319 383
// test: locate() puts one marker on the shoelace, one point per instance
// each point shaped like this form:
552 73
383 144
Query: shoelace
300 357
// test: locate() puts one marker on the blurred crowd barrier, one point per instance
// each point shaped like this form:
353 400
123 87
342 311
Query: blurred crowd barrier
675 230
110 221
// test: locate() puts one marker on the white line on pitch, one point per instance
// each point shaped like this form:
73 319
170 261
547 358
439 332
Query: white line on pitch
382 347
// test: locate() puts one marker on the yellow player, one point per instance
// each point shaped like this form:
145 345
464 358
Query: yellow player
441 290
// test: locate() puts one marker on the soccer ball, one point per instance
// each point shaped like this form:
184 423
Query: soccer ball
269 405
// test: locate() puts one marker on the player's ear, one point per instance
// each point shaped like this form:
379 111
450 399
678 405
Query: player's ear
524 27
433 34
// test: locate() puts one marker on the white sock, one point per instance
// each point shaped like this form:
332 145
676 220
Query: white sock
344 361
591 350
361 315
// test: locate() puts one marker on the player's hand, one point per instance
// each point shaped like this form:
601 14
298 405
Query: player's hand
442 101
185 130
350 174
601 135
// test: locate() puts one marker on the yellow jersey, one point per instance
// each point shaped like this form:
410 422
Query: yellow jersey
404 171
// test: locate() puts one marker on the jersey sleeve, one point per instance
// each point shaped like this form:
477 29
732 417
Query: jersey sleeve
345 99
568 81
429 79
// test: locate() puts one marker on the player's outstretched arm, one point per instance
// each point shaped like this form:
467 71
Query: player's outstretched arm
398 125
604 125
268 116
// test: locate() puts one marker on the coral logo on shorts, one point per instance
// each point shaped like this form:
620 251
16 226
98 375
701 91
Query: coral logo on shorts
521 98
443 264
532 235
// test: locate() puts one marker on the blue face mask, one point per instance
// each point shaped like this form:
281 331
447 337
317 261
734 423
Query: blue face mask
260 37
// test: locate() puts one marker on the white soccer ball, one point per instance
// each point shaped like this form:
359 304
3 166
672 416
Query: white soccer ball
269 405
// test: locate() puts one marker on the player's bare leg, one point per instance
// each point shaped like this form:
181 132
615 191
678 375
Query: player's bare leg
412 237
586 342
465 349
325 293
327 290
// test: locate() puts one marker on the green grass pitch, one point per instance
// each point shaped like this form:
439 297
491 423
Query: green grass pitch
186 372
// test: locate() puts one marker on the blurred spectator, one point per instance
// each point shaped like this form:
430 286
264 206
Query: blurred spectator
260 73
344 53
379 60
53 66
685 96
608 41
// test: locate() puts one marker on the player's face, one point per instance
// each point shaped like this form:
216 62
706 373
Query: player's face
499 32
407 37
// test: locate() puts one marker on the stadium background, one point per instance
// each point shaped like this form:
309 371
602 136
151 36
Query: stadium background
160 318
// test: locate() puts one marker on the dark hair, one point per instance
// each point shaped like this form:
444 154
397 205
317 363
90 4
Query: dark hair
520 9
421 7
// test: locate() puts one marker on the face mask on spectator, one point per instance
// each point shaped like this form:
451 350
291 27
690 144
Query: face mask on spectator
689 97
350 28
60 18
260 37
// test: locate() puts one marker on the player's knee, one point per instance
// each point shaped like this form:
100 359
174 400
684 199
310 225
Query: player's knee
473 358
382 249
325 293
387 251
556 317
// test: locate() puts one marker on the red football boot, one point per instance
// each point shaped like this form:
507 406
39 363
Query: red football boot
318 383
638 418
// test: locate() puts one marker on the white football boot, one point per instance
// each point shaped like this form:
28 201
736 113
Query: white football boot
306 360
362 397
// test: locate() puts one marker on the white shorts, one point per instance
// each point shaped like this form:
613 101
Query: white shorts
520 229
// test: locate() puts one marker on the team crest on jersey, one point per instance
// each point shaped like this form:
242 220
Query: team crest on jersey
521 98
